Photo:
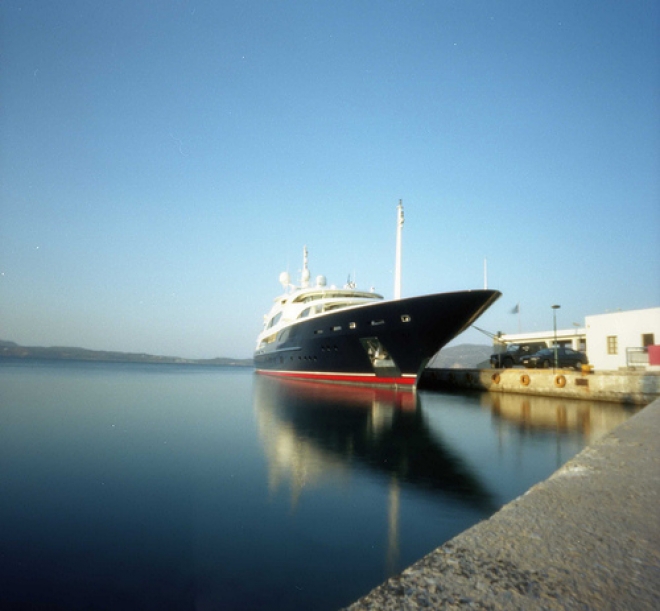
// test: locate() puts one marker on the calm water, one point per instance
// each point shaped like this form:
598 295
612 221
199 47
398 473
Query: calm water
183 487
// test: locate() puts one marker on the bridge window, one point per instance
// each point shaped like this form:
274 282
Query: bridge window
275 320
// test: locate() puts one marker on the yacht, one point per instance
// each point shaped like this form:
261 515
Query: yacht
347 335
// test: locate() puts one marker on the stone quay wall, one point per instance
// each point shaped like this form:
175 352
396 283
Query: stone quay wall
628 387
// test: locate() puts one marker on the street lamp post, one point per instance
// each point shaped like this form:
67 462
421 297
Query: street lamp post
554 326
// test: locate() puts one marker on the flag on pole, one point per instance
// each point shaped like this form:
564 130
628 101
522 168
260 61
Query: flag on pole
516 310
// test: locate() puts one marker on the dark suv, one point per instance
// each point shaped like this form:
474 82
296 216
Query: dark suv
514 354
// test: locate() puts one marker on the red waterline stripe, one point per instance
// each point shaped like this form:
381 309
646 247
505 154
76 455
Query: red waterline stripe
343 377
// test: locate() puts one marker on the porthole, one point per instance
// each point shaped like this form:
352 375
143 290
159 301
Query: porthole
405 318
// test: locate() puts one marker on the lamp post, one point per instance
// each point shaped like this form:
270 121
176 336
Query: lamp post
554 326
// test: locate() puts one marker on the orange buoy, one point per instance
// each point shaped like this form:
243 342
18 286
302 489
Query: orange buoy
560 381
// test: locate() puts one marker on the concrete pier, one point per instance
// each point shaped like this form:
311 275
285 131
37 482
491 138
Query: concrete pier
628 387
586 538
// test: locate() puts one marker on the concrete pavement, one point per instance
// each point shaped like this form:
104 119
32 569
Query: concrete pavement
586 538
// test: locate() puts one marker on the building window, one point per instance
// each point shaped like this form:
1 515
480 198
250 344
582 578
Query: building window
648 340
612 344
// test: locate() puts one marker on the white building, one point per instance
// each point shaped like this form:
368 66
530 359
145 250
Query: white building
621 339
611 341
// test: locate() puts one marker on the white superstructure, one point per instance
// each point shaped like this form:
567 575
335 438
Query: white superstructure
305 301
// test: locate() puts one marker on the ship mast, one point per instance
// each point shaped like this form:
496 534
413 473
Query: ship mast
304 274
397 268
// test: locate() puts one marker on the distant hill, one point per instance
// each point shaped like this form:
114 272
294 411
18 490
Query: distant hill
13 350
466 356
463 356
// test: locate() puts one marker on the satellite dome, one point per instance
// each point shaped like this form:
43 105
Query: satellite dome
285 279
320 281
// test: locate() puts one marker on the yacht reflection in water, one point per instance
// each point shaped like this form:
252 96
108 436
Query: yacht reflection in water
311 430
314 431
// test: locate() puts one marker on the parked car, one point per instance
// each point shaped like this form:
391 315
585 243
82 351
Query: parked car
514 353
566 357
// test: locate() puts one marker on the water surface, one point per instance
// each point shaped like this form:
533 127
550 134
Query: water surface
128 486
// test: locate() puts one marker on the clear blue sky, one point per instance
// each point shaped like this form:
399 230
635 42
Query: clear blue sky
162 162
